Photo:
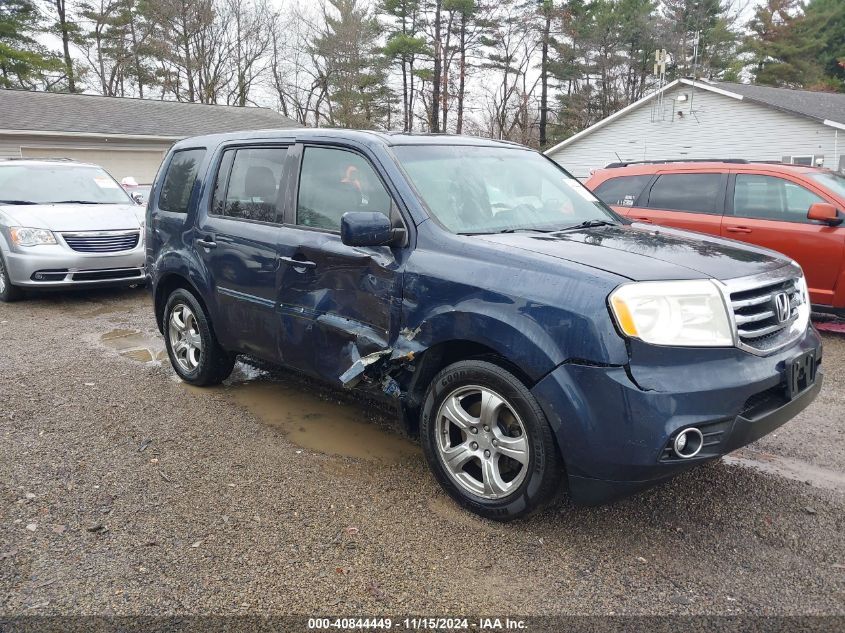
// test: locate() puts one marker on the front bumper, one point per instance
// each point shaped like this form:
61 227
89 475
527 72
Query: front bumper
614 424
58 266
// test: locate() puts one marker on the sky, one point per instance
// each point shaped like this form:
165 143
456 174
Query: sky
745 8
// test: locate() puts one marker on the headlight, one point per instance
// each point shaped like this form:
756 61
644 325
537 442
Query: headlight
804 309
31 237
683 313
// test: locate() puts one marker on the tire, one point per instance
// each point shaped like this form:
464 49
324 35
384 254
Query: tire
8 292
509 466
192 347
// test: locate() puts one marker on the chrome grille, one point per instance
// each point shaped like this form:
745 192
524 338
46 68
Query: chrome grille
761 324
102 241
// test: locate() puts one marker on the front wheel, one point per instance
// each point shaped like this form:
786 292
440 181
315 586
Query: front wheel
488 442
191 345
8 292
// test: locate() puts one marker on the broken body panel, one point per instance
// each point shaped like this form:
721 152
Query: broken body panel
384 318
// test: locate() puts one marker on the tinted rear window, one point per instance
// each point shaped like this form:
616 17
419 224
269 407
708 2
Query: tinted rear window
697 193
179 180
622 191
249 183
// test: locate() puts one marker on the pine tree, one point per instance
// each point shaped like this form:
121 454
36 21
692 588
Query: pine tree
349 47
24 63
404 45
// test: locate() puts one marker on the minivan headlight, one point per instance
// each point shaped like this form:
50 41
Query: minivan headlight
23 236
683 313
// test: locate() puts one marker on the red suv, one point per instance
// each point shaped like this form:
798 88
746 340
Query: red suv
793 209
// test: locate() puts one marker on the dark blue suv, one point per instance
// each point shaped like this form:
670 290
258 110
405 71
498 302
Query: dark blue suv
532 337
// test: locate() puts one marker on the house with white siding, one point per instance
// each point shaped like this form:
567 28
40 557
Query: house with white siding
693 120
129 137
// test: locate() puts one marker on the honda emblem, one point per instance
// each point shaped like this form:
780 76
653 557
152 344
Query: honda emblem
783 307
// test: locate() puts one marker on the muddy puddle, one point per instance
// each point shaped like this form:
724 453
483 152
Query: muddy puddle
334 428
135 345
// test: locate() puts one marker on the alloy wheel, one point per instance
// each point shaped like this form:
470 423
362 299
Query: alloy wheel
185 339
482 442
2 277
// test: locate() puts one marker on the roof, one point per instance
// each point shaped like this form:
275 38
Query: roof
824 107
82 114
57 162
366 137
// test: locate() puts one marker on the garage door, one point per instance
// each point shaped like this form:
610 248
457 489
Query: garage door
139 164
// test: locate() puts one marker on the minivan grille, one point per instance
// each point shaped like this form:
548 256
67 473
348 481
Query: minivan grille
102 242
759 323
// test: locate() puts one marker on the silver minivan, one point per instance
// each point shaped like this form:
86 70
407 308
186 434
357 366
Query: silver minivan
66 224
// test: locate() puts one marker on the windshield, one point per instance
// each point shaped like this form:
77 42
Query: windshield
494 189
58 183
833 182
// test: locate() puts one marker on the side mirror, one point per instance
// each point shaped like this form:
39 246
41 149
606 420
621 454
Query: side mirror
824 212
137 196
364 228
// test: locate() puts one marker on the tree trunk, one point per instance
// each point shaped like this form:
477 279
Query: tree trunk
411 95
436 79
462 75
135 57
444 90
544 77
65 29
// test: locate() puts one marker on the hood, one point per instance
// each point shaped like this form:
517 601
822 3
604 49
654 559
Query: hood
646 253
76 217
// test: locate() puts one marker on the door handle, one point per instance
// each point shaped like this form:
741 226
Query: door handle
206 242
297 263
646 220
737 229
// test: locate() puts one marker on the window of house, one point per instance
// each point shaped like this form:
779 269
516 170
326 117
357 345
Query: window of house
802 160
253 188
772 198
622 191
179 180
696 193
333 182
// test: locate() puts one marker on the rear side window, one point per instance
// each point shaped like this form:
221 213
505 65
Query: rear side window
336 181
696 193
179 180
772 198
249 184
622 191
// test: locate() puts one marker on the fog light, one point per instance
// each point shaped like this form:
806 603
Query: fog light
688 443
39 276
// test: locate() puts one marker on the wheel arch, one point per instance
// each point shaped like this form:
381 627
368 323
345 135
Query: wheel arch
165 287
437 357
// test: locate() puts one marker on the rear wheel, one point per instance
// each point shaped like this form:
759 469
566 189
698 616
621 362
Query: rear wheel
191 345
488 442
8 292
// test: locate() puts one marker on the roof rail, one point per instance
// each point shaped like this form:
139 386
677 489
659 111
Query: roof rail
62 159
740 161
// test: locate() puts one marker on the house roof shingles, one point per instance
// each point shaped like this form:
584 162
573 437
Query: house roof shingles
824 106
94 114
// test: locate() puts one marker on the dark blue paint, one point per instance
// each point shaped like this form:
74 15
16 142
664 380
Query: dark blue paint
366 229
359 315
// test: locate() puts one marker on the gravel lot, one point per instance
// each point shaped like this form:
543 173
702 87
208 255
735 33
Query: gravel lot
126 492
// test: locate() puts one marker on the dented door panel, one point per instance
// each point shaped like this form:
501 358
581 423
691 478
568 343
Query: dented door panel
334 301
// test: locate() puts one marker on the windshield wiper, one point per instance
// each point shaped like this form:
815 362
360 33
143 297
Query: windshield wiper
17 202
79 202
527 230
586 224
